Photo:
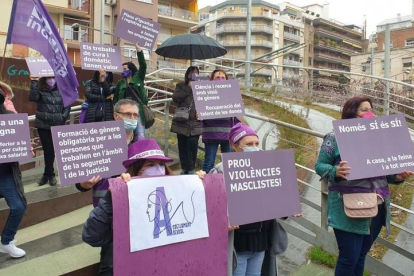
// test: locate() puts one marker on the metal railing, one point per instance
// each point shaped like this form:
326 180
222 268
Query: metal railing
291 36
178 13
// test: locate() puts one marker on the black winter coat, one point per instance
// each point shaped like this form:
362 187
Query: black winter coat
183 97
50 110
94 98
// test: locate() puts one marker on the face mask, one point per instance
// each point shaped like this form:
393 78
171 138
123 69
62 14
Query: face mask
250 149
194 77
369 114
130 124
51 82
126 74
156 170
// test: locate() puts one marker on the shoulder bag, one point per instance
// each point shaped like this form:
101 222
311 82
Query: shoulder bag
182 114
361 205
149 115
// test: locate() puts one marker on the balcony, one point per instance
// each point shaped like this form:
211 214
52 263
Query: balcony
291 36
78 8
337 48
338 35
242 29
73 37
171 64
177 17
331 57
261 42
291 62
233 43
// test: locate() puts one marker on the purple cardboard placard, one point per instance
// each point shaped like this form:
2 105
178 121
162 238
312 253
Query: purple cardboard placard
260 185
87 150
201 257
96 56
217 99
15 142
39 67
135 28
375 146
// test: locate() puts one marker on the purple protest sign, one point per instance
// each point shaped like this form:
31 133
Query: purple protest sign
260 185
95 57
39 67
217 99
203 257
14 138
370 148
135 28
87 150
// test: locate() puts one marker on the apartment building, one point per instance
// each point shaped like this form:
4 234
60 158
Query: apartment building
334 44
270 31
80 21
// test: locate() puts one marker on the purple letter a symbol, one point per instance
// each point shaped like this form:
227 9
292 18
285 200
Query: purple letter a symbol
161 202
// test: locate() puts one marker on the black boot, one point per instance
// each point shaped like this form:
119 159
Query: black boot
43 180
52 181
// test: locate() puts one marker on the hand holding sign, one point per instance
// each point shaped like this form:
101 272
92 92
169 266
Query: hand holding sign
342 170
404 175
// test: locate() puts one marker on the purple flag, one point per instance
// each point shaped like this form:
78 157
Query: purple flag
30 25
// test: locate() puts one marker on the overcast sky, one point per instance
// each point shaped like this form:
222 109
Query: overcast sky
350 11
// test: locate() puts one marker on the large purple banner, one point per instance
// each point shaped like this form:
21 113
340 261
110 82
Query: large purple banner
87 150
260 185
14 138
31 25
375 146
217 99
135 28
95 57
201 257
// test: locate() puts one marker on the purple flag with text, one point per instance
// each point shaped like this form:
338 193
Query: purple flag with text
30 25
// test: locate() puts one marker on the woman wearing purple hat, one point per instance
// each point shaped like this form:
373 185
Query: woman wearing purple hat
145 158
254 243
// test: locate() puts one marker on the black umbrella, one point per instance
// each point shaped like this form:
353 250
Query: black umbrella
191 46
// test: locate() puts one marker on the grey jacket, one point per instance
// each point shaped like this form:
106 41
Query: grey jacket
183 97
279 244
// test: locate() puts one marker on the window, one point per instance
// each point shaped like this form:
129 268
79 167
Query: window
145 1
409 42
391 45
407 62
243 10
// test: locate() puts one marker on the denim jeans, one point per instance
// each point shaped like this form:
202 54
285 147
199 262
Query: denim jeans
140 130
45 136
210 150
249 263
353 248
9 191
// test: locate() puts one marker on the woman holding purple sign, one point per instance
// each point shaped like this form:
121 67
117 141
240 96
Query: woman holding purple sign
354 236
215 132
50 112
11 188
255 245
99 95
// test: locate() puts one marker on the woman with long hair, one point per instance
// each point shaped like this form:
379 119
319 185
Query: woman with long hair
99 97
354 236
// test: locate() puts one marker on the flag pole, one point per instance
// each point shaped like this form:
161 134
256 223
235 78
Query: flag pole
2 61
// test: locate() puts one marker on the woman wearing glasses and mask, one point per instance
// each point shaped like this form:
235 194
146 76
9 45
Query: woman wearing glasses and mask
354 236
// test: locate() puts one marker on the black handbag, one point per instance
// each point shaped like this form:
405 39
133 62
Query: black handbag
148 114
182 113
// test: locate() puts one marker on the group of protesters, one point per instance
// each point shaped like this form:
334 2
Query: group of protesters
254 246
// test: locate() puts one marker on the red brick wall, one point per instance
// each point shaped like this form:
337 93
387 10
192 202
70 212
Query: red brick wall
398 38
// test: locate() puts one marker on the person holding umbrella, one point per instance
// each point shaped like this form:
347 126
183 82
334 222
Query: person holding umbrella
132 87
